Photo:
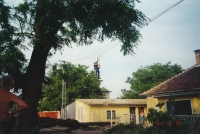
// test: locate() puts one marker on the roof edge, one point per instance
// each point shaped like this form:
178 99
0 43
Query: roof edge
179 92
143 94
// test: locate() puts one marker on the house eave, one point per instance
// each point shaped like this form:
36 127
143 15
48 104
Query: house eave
184 92
118 104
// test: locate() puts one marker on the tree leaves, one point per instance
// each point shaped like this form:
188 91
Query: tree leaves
147 77
79 84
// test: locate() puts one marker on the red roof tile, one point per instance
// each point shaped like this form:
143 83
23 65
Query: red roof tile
187 80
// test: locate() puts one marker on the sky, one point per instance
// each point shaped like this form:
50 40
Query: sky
172 37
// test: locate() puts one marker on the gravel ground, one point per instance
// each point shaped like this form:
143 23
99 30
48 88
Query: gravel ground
61 130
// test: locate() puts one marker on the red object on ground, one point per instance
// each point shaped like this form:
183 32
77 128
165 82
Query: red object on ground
51 114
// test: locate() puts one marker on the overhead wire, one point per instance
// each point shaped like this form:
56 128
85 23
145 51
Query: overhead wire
109 47
49 62
151 20
158 15
91 56
97 50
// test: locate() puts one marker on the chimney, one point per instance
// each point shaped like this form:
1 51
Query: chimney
197 54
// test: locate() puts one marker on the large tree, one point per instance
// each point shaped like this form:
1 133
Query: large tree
50 25
79 84
147 77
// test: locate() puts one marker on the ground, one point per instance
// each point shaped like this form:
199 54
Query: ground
59 126
62 130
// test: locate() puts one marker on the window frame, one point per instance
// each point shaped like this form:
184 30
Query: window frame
109 114
173 109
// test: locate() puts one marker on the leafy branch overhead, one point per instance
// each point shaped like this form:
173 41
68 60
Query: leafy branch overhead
46 26
93 20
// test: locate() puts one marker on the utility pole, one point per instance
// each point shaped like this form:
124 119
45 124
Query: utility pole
63 105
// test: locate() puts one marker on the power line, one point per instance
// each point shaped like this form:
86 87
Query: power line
158 15
100 49
49 62
152 19
117 43
111 48
91 56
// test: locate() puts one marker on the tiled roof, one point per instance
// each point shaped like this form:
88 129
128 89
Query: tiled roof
114 102
188 80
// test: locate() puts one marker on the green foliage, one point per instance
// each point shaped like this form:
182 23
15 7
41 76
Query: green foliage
126 129
49 25
154 116
161 123
160 105
165 122
80 84
53 24
147 77
104 89
13 62
51 99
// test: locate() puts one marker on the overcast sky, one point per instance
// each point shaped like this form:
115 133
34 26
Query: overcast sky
172 37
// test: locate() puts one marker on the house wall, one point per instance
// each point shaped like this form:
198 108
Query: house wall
106 95
195 101
99 113
82 113
151 102
71 111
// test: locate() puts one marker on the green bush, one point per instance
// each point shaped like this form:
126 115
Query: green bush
126 129
165 122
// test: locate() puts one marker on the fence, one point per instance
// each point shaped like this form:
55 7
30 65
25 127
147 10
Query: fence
193 122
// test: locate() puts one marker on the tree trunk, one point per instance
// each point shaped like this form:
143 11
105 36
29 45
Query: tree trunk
45 38
32 92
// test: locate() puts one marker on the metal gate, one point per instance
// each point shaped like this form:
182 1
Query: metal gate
133 118
193 123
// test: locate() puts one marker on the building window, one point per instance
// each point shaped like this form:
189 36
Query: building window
182 107
109 114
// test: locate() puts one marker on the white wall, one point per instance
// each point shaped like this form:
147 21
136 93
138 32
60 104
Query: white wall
71 111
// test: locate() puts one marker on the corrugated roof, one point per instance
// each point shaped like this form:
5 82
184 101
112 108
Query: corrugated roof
114 102
188 80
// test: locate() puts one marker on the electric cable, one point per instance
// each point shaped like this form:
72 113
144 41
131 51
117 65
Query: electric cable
118 42
91 56
151 20
108 46
49 62
158 15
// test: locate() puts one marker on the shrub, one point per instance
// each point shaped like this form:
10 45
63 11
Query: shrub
126 129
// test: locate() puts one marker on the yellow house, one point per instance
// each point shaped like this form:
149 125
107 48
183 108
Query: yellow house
106 110
184 88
